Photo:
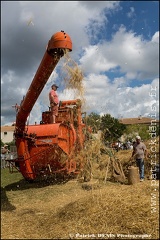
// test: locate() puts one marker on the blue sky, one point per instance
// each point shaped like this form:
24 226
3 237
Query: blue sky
115 44
140 16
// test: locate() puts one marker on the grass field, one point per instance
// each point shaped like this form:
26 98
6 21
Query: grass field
67 210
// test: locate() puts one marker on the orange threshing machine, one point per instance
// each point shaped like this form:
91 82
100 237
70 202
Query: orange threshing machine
45 148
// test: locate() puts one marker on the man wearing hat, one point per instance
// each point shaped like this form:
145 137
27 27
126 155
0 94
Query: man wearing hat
54 101
139 151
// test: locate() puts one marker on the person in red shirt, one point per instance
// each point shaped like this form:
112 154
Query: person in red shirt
54 102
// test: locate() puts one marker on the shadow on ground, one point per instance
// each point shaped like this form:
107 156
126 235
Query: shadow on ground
5 203
24 184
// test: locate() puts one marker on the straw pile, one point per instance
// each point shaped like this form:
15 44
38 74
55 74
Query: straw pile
115 210
99 162
62 211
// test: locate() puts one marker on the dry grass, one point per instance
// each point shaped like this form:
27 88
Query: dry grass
98 157
118 209
53 210
56 211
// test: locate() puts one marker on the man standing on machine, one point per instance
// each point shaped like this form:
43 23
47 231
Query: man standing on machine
54 101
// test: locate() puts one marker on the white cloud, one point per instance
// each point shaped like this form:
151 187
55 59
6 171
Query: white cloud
109 66
155 38
104 96
131 13
135 56
94 60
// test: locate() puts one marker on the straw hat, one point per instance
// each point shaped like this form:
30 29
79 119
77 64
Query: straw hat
138 137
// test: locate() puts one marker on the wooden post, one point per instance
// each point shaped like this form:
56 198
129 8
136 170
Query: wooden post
107 170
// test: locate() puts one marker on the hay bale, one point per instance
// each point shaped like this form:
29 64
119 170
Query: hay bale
133 175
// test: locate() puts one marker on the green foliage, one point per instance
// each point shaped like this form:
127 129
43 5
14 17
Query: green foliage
93 120
12 143
142 130
111 127
10 178
137 129
2 144
153 130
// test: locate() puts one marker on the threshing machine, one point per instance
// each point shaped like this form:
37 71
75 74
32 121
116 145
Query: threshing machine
47 148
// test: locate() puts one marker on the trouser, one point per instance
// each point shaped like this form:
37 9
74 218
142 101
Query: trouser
3 162
140 165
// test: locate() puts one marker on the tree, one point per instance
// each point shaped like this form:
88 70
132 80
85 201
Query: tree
139 129
111 127
2 144
93 120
